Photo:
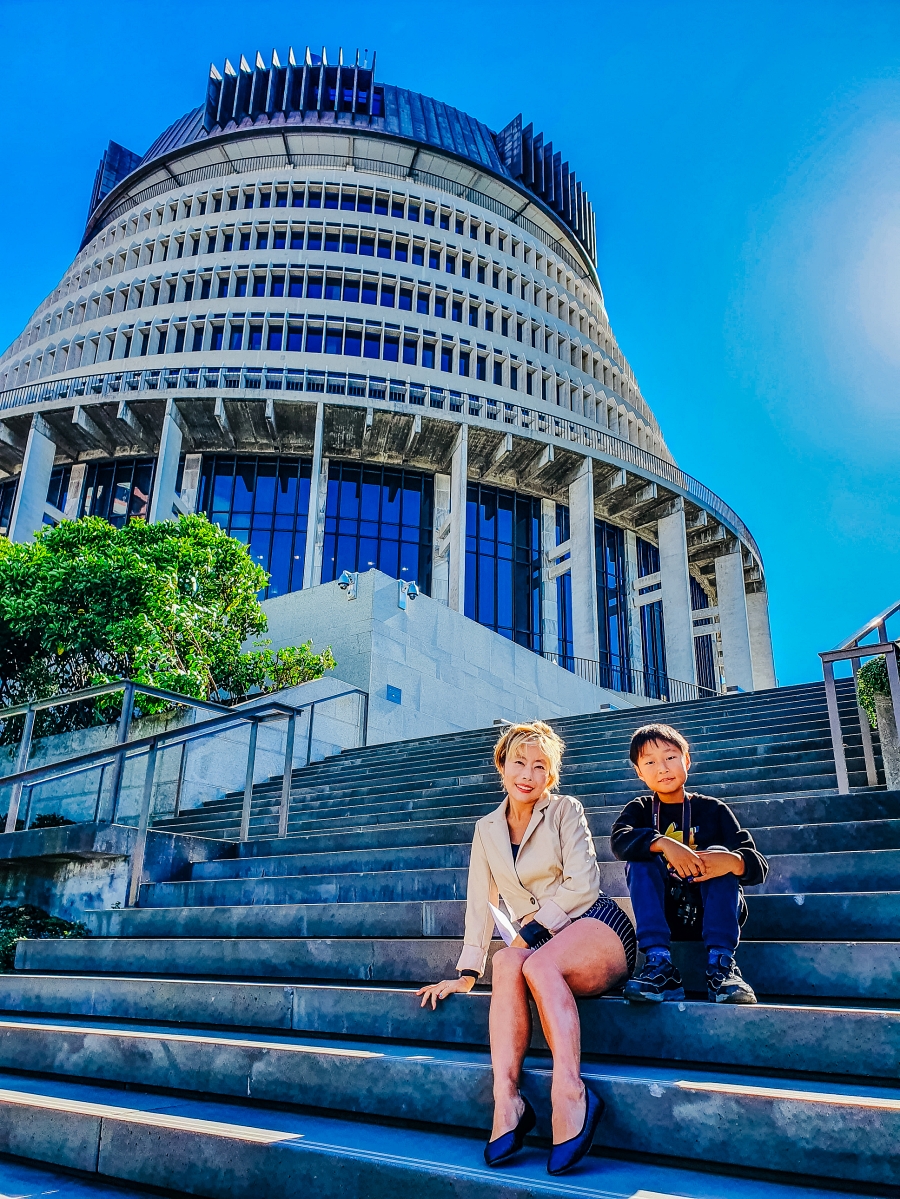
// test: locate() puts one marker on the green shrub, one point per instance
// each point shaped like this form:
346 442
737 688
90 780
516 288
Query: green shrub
872 680
29 922
169 605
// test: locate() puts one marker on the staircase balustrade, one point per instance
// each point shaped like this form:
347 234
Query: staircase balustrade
853 651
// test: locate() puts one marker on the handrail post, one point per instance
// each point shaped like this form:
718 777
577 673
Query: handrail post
890 659
837 737
865 731
21 764
140 844
118 770
309 733
284 811
364 730
248 781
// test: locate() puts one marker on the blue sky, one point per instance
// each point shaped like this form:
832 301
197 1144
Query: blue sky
744 164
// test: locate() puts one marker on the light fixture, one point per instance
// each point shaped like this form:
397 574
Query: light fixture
405 590
349 582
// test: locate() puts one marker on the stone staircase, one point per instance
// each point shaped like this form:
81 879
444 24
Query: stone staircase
251 1028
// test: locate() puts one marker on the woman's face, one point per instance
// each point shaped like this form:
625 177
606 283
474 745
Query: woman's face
526 773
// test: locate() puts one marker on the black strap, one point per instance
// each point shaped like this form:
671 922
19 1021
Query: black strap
685 818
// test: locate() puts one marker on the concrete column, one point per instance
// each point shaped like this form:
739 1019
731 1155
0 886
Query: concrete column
440 554
733 624
676 596
635 639
459 479
162 500
761 657
190 482
34 482
75 492
312 562
585 633
549 611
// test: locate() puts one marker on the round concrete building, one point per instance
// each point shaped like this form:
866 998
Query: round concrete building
359 329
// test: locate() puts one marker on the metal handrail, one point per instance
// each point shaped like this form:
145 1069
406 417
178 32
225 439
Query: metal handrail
650 684
254 712
851 650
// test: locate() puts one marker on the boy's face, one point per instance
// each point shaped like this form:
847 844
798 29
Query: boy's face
663 767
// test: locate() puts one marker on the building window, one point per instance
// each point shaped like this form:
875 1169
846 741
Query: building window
653 631
612 607
704 650
378 517
565 643
503 563
118 491
263 502
7 498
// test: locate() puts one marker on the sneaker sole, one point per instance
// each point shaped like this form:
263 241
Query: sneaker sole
735 1000
665 997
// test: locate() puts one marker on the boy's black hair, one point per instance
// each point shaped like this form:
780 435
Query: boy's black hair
650 733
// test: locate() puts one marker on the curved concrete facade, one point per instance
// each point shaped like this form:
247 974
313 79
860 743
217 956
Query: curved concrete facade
314 277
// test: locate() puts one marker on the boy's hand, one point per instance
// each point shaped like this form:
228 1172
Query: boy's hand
683 860
717 862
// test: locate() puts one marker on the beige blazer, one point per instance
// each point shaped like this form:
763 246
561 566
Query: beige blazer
554 878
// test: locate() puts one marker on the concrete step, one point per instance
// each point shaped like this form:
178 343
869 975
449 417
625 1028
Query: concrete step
805 969
376 880
451 1087
873 916
800 1039
781 812
242 1151
853 870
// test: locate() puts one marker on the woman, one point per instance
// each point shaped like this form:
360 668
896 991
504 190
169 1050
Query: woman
536 852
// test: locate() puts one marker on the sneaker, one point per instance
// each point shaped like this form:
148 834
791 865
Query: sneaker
724 983
658 982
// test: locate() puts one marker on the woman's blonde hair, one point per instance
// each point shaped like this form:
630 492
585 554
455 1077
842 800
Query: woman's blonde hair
536 733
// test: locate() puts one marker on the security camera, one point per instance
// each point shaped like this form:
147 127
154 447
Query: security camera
349 581
412 590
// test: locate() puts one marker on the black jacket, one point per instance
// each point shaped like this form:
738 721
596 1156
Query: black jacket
714 821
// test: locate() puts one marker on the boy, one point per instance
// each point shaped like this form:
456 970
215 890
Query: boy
683 881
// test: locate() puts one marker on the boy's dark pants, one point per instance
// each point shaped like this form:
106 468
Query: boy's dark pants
721 899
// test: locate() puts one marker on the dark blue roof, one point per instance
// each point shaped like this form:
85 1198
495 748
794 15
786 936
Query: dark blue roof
314 91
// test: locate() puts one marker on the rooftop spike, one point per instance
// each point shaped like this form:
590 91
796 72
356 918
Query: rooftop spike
260 65
308 57
245 66
214 73
341 56
229 69
324 57
275 59
292 62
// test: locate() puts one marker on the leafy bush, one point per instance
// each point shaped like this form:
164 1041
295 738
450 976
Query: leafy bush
166 604
17 924
872 680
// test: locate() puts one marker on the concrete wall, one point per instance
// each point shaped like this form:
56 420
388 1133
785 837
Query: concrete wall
81 868
452 673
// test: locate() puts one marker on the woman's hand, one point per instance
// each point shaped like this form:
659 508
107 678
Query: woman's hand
447 986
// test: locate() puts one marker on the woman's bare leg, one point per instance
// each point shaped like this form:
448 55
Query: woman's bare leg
510 1025
586 958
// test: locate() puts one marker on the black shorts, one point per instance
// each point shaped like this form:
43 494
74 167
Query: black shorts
608 912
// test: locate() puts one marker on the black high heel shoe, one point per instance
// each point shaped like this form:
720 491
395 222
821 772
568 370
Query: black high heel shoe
502 1149
563 1157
